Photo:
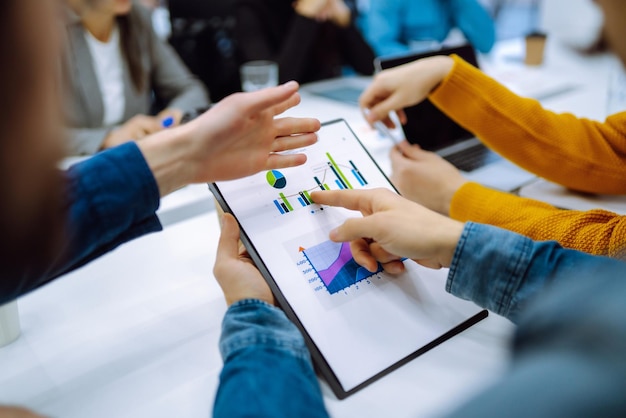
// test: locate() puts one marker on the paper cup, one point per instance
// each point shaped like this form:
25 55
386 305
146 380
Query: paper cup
535 46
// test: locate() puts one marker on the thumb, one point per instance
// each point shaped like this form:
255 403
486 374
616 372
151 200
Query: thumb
228 246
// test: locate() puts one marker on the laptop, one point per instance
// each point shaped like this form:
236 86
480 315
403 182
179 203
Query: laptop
432 130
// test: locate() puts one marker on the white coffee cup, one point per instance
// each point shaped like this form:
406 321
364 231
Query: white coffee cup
9 323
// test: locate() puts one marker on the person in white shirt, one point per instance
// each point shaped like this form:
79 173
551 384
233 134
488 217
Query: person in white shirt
116 68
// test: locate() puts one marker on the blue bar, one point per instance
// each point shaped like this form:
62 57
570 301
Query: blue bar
358 177
340 184
358 171
304 198
301 201
282 212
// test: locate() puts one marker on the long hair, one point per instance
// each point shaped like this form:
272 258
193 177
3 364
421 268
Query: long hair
131 49
31 211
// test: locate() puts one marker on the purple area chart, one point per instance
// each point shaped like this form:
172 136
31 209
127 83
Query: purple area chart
333 263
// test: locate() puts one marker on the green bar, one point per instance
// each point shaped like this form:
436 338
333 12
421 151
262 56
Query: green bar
345 180
285 201
308 196
326 186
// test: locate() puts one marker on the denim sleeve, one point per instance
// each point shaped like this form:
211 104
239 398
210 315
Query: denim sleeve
568 352
501 270
110 198
267 367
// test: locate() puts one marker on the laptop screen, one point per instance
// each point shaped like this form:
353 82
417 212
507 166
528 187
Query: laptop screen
426 125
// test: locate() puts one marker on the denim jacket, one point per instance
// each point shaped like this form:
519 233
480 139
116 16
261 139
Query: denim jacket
109 199
569 349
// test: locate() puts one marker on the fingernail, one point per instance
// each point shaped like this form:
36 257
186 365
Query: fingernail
291 84
333 234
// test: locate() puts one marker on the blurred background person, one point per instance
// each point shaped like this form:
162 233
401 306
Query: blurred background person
399 26
117 72
309 39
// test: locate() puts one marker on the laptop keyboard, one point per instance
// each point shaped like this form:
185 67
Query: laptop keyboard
472 158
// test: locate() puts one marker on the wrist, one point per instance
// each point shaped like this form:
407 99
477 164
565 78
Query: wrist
448 195
438 67
168 156
449 238
341 14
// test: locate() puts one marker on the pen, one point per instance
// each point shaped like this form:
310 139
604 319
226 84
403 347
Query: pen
384 131
167 122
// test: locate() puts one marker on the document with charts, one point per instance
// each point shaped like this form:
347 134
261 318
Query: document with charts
358 325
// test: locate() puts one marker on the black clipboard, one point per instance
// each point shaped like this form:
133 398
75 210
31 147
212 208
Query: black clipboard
257 201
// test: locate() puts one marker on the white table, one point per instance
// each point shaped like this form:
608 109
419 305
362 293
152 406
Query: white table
135 334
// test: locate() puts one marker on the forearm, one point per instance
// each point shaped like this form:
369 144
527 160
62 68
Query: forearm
384 28
502 271
166 153
267 368
596 232
568 351
475 23
110 198
535 138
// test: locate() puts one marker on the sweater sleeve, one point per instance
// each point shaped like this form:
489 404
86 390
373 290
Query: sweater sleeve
596 231
578 153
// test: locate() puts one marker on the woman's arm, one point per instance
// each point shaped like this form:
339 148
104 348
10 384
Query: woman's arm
578 153
475 23
596 231
383 27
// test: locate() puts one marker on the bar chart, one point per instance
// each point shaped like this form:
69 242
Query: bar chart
329 175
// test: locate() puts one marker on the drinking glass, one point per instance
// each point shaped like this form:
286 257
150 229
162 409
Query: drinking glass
257 75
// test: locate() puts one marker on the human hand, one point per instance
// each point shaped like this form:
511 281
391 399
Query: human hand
424 177
394 89
312 9
338 12
236 138
234 270
392 228
135 128
16 412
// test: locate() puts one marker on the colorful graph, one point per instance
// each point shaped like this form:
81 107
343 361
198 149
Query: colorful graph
276 179
333 263
339 178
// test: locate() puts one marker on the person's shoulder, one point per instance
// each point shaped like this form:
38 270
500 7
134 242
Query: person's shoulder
140 17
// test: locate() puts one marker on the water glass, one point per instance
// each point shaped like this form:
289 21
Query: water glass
257 75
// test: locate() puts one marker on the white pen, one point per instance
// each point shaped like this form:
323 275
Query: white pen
383 129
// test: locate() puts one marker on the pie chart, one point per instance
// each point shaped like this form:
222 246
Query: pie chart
276 179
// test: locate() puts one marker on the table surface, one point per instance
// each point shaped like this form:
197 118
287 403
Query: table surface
135 332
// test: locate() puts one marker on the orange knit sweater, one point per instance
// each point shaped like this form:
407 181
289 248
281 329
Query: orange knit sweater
581 154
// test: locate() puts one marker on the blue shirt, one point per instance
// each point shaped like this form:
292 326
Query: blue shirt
391 25
569 350
109 199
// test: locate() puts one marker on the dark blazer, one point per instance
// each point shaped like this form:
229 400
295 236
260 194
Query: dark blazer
166 74
305 50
